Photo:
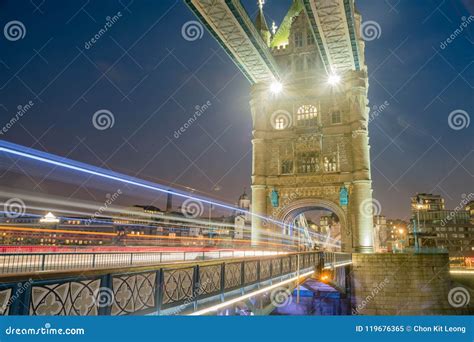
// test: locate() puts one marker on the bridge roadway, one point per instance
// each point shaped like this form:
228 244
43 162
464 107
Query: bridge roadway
192 287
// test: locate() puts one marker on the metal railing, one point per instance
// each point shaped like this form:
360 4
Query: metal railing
159 289
34 262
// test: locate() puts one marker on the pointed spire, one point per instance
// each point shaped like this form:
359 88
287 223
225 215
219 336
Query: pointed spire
261 23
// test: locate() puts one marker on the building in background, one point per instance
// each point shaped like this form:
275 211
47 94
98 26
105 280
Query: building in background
390 235
434 226
243 218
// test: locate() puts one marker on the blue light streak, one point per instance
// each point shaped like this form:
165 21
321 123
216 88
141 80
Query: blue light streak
66 163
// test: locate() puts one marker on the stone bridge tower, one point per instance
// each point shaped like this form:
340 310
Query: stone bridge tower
310 136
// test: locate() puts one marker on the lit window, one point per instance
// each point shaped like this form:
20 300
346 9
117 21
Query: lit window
308 162
330 164
307 115
280 123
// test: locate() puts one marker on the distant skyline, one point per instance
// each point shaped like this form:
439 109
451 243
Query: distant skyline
150 81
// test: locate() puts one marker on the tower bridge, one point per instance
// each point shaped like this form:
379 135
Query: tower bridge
309 110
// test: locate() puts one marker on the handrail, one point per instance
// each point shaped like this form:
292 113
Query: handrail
148 289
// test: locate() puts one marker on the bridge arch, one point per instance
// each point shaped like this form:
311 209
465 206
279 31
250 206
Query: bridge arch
290 212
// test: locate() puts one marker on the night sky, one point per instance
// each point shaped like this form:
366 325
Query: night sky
151 79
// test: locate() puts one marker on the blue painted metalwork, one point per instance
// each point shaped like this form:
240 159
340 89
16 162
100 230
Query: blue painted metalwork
146 290
343 196
317 35
275 198
348 8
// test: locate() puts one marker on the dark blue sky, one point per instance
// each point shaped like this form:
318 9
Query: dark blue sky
151 80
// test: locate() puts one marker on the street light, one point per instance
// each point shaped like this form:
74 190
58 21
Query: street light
334 79
276 87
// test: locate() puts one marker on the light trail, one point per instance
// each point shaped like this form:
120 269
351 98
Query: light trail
249 295
47 158
80 232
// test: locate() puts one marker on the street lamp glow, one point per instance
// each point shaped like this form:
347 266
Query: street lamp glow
334 79
276 87
49 218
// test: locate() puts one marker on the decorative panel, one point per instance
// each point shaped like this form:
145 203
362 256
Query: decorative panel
74 298
250 272
209 279
178 285
233 275
276 267
265 269
133 293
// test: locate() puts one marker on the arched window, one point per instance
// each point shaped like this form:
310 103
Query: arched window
307 115
280 123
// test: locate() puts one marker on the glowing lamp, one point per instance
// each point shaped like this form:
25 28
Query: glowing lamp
334 79
276 87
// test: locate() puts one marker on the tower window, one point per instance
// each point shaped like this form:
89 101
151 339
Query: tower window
308 162
309 38
336 117
311 62
330 164
307 115
280 123
299 39
286 167
299 64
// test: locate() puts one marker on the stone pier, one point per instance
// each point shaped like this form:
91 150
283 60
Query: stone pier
401 284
